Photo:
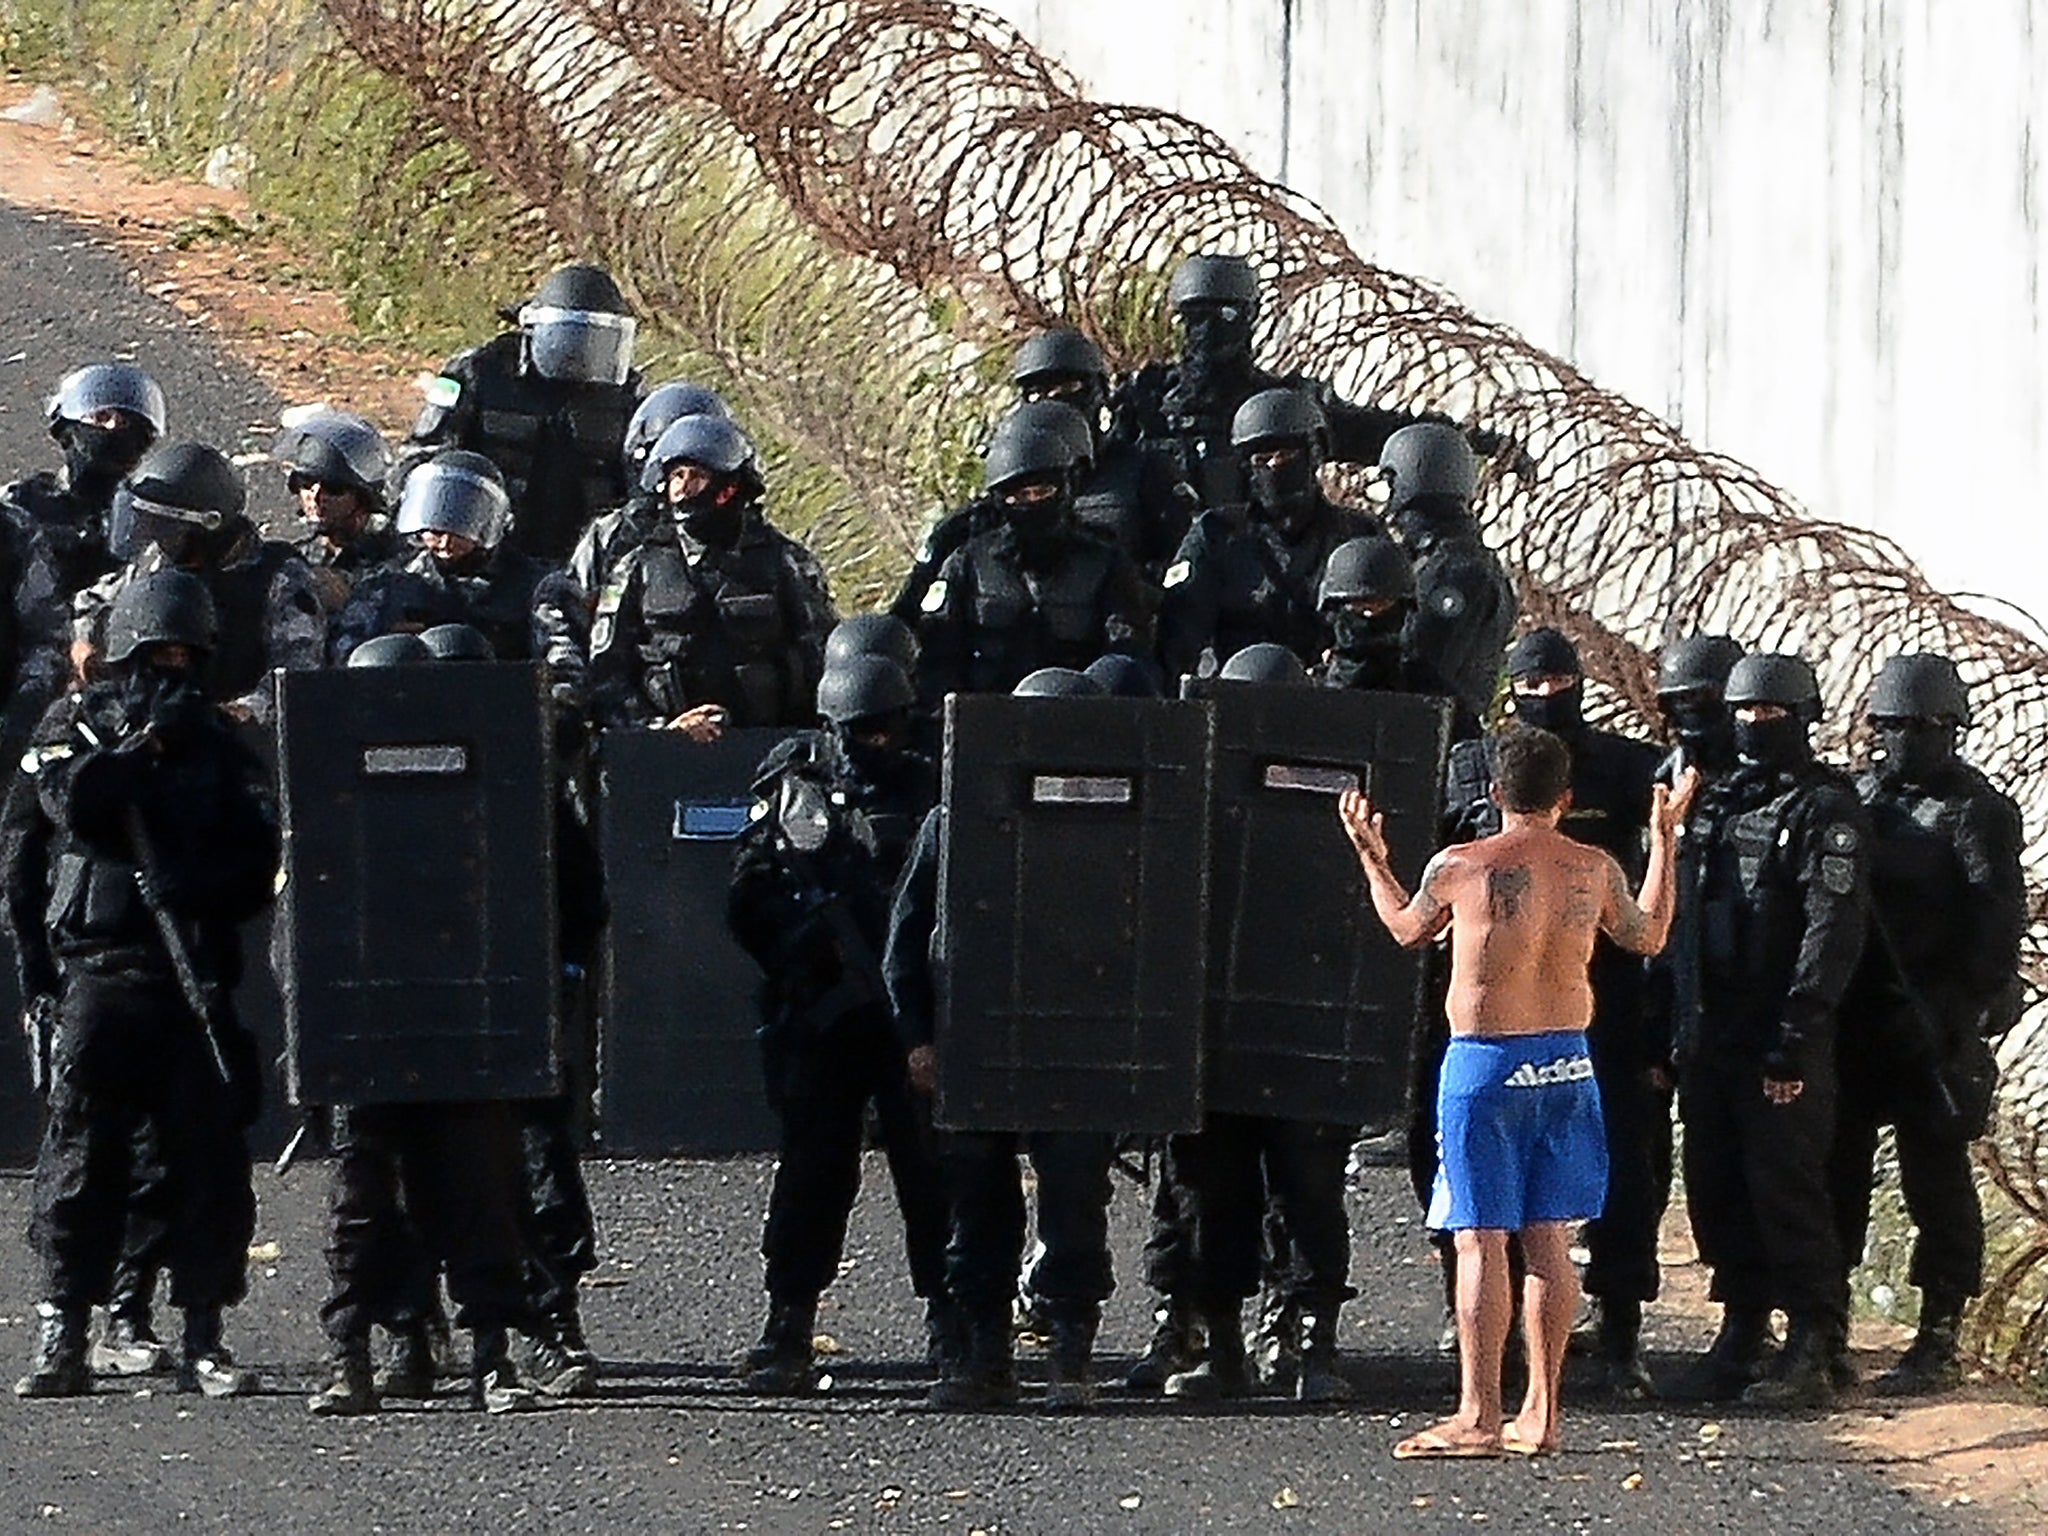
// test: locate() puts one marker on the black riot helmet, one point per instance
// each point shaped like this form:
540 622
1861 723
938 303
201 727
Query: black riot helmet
1428 459
1782 680
456 492
578 327
1031 476
716 513
864 689
185 498
1125 677
391 651
1212 279
457 642
1372 569
1062 365
336 449
665 405
1058 683
1698 664
1282 437
160 608
1535 662
1920 686
1055 417
872 634
1264 662
85 394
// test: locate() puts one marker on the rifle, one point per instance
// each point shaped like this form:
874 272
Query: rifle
1977 1079
200 997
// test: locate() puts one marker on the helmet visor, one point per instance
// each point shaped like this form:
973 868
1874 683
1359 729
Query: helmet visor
448 498
136 522
579 346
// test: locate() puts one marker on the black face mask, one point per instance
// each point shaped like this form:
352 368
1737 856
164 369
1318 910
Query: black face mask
170 704
1705 730
1559 713
97 459
1778 743
715 518
1914 751
1365 651
872 761
1216 352
1037 525
1288 494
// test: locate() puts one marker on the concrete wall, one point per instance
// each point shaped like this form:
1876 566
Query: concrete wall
1810 232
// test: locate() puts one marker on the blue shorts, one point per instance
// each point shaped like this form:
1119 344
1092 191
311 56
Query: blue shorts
1519 1134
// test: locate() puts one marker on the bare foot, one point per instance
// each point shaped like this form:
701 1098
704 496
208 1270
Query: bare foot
1451 1440
1526 1434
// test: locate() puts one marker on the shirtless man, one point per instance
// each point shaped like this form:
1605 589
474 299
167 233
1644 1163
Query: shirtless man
1521 1148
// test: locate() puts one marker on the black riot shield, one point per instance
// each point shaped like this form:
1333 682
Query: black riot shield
1311 1005
679 1068
419 958
1071 886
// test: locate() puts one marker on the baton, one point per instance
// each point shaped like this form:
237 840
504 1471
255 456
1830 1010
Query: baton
174 939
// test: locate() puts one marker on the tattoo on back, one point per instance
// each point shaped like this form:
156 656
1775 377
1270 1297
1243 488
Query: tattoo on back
1505 889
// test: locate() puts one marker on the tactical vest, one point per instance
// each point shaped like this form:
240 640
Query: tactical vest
1024 620
718 632
1266 590
241 604
1918 888
64 551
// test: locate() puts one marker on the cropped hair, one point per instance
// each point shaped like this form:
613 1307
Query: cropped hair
1532 769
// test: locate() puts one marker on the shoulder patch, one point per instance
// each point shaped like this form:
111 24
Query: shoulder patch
1841 837
934 598
1449 602
1838 873
610 596
442 392
1177 573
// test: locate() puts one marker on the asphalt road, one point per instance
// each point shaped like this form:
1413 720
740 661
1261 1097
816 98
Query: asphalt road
672 1445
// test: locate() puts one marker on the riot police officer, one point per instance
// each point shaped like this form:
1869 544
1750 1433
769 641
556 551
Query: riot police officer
1783 892
1186 407
1035 592
547 403
453 511
1239 581
1611 784
183 508
142 830
336 465
1365 598
1465 605
1938 979
1133 495
835 812
415 1187
1692 680
104 417
1073 1277
983 512
718 617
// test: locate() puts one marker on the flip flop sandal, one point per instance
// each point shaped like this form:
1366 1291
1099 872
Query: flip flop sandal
1431 1446
1515 1445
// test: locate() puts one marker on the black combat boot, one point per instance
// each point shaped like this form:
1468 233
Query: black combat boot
205 1364
1070 1368
1800 1378
494 1384
58 1367
1175 1343
353 1389
128 1346
1221 1373
1933 1361
1276 1345
781 1364
1620 1350
942 1337
1735 1359
563 1364
983 1374
1319 1379
408 1364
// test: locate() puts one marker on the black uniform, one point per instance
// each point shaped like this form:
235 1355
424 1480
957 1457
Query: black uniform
1948 907
555 442
992 618
681 623
55 546
492 590
1465 609
1781 916
1238 582
338 567
128 1047
817 924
